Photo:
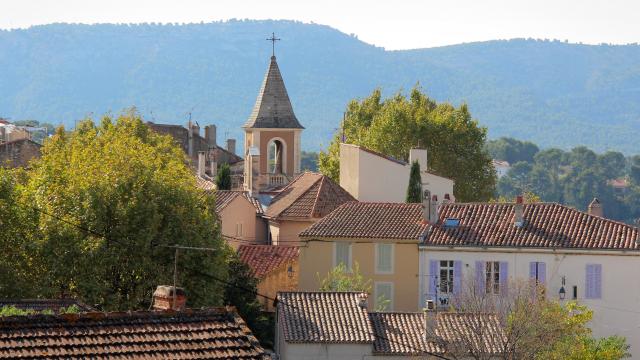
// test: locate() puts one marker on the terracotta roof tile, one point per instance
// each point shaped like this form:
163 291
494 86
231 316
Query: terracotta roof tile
547 225
263 259
310 195
324 317
404 333
225 197
205 185
202 334
367 220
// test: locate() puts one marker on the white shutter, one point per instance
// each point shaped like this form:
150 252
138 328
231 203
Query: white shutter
343 254
384 295
384 258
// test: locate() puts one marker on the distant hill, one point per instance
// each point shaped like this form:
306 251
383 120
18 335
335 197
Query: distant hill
549 92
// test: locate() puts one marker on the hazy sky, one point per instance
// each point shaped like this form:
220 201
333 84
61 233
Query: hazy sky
397 24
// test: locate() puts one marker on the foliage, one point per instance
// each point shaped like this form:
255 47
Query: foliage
223 178
9 310
414 190
512 150
241 291
341 279
110 198
574 178
394 125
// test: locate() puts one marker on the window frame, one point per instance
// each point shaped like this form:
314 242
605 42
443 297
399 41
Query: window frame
349 266
450 268
377 294
492 277
391 260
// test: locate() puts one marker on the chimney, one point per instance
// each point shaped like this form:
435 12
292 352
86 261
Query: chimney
433 212
426 205
195 129
518 209
419 155
210 135
214 169
362 301
595 208
430 318
190 137
447 199
163 298
201 163
231 145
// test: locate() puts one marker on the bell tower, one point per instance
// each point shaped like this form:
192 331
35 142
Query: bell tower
272 134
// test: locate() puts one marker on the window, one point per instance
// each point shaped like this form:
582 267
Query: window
446 276
342 254
275 157
593 289
384 258
238 229
383 296
492 284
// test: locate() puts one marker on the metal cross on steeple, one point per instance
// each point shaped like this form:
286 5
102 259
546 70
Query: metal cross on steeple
273 40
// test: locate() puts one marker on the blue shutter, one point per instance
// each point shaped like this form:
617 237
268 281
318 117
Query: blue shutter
532 270
504 277
433 279
542 273
588 288
480 276
457 276
597 281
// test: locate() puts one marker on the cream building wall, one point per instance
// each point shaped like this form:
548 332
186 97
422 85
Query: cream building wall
615 313
370 177
285 232
278 280
317 259
241 225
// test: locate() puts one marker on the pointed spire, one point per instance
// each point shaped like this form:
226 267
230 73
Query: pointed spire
273 108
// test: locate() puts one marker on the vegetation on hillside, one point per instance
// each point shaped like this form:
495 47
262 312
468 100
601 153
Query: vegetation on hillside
572 177
549 92
392 126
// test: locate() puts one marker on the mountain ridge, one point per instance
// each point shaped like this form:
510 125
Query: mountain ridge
550 92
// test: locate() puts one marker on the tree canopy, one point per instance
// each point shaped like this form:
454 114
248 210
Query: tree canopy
102 205
392 126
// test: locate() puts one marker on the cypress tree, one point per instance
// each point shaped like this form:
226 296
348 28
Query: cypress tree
414 191
223 180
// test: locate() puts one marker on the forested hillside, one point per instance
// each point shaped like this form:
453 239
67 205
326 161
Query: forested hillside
552 93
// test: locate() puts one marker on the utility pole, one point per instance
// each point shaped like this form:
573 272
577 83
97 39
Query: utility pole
175 265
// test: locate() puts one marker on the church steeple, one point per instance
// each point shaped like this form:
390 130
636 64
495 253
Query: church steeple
273 108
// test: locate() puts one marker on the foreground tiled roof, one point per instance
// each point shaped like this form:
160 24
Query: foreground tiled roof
547 225
368 220
225 197
324 317
310 195
404 333
39 305
203 334
263 259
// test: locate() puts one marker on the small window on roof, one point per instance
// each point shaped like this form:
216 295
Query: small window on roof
451 222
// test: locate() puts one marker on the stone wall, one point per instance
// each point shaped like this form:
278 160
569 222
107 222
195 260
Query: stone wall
18 153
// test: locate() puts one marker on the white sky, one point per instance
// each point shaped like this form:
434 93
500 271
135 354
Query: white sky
398 24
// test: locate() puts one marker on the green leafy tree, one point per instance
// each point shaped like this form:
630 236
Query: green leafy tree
223 178
512 150
341 279
414 190
241 291
456 143
111 197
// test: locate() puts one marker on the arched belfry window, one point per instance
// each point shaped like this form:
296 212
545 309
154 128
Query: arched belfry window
275 156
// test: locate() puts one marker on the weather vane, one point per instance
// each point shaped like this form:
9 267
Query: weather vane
273 40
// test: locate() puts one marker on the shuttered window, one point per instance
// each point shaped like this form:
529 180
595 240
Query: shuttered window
384 258
384 296
593 288
342 254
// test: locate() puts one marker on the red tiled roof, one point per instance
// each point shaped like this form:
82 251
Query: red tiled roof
225 197
546 225
404 333
202 334
369 220
263 259
324 317
205 185
310 195
39 305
